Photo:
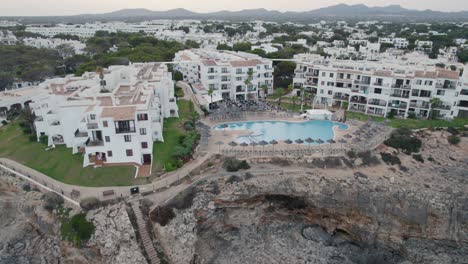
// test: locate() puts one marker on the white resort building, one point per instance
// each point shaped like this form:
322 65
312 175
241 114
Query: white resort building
404 87
113 117
234 75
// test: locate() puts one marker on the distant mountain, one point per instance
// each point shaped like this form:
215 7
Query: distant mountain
356 12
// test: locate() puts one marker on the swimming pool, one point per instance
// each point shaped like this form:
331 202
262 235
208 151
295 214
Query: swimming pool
282 130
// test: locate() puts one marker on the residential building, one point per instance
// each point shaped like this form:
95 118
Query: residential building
113 118
378 88
234 75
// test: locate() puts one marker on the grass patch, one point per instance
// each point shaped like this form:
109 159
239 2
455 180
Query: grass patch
75 229
178 91
172 132
410 123
59 163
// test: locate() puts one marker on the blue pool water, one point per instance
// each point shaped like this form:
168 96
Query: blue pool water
282 130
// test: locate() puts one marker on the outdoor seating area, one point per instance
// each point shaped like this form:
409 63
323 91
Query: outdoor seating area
239 110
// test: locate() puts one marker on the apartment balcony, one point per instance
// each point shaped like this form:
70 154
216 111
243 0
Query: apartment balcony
355 109
378 103
419 105
343 80
401 86
362 91
172 100
298 71
94 143
80 134
311 74
311 83
226 80
374 112
358 101
341 97
400 95
92 125
359 82
398 106
446 86
55 123
39 119
124 130
441 107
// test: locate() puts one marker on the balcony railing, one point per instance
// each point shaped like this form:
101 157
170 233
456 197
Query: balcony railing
312 74
92 125
400 95
445 86
377 103
94 143
341 97
80 134
416 105
399 106
357 109
401 86
124 130
441 106
358 101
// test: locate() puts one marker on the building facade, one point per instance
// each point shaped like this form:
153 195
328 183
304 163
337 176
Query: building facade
233 75
111 117
381 88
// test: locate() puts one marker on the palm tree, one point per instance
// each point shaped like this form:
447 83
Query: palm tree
433 102
28 116
312 96
100 71
294 98
302 98
265 90
279 93
210 93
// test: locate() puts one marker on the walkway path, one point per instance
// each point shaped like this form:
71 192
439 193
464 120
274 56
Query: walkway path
190 96
144 235
66 190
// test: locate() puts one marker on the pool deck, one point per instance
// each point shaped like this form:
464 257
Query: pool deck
227 135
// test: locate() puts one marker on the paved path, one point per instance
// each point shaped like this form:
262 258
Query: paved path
66 190
190 96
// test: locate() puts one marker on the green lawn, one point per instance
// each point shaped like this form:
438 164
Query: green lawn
172 131
60 163
411 123
178 91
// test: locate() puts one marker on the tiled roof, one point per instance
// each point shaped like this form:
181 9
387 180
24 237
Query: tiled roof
119 113
246 63
209 62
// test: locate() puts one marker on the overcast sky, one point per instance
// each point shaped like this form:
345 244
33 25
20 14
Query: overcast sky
73 7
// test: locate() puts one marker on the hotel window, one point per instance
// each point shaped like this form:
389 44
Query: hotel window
142 131
105 124
144 145
128 138
107 138
92 116
142 117
109 153
127 126
129 152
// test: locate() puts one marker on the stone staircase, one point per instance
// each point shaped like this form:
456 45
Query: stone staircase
144 234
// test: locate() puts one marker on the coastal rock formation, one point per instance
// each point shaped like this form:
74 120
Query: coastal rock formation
30 234
376 214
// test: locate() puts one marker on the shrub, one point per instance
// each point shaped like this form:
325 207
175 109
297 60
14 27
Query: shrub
418 157
248 175
368 159
453 139
44 139
453 131
26 187
4 122
90 203
77 229
233 165
162 215
32 138
52 201
280 161
431 159
233 178
351 154
146 205
390 159
404 140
